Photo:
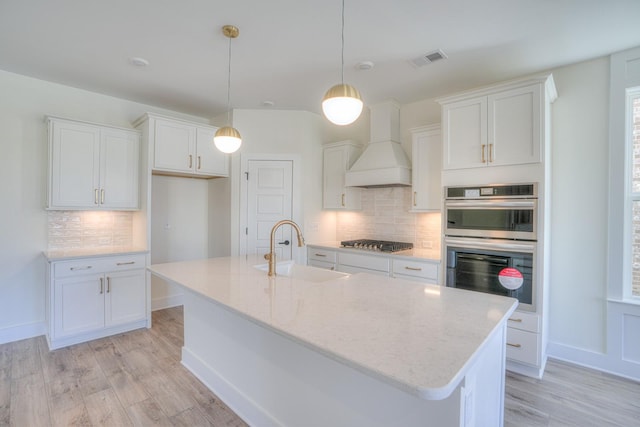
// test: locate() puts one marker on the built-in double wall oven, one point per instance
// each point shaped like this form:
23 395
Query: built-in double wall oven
490 240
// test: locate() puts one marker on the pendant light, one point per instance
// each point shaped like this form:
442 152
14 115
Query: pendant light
227 139
342 103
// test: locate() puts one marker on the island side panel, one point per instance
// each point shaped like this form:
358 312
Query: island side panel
269 379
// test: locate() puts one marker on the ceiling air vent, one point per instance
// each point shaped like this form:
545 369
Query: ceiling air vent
428 58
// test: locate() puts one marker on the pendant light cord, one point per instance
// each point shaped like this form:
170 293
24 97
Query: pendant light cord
229 87
342 59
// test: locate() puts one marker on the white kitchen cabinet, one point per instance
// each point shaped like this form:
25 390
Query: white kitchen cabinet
183 148
92 166
421 271
496 126
523 338
349 262
338 157
321 258
89 298
425 168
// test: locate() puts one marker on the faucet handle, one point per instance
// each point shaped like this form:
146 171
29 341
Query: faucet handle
267 256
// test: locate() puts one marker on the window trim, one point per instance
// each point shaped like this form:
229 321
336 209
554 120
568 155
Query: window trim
631 93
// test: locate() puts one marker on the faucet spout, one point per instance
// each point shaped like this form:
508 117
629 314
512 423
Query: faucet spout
271 256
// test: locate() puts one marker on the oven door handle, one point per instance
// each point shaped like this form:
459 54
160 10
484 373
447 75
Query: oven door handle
483 258
474 204
490 244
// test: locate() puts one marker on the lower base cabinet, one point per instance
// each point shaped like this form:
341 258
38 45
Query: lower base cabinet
92 298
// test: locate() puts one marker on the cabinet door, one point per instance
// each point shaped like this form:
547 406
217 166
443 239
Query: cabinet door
74 168
514 126
209 160
78 305
126 297
464 131
425 170
119 156
336 162
174 146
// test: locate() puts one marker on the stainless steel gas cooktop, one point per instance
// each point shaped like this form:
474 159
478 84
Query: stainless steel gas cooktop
377 245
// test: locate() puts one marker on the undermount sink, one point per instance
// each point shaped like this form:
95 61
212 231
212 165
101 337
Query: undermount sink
302 272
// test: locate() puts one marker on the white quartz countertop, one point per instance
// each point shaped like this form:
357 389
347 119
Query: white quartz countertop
69 254
414 254
419 338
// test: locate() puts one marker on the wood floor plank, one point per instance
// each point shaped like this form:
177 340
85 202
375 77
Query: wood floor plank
25 358
128 390
105 409
107 356
29 405
189 418
170 395
147 413
89 373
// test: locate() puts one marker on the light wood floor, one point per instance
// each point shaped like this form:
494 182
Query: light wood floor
137 379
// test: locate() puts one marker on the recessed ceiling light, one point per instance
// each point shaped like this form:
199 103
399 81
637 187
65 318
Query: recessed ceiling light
364 65
138 62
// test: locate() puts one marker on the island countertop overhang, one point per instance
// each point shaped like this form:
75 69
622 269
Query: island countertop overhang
419 338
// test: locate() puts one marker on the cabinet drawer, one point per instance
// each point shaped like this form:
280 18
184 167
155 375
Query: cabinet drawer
522 346
369 262
97 265
322 264
321 255
524 321
423 270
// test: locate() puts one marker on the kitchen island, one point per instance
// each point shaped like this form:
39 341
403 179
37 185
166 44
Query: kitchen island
316 347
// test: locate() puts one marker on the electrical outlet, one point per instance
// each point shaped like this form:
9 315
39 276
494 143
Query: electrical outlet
427 244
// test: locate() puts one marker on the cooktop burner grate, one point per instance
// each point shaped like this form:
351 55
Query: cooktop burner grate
377 245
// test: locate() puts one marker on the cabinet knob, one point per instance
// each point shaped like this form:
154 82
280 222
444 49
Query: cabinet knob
95 196
190 161
483 149
101 285
342 199
102 196
199 162
490 153
108 284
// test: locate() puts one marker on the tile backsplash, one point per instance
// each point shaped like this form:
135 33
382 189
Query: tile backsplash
89 229
385 216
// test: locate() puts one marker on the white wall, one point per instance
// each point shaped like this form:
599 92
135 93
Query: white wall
23 156
579 206
179 229
284 132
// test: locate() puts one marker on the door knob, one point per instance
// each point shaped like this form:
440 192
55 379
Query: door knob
286 242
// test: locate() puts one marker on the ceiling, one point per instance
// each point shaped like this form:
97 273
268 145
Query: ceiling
288 51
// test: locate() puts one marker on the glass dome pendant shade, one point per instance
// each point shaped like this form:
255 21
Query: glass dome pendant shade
227 139
342 104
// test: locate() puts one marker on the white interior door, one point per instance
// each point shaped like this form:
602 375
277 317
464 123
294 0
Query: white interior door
269 200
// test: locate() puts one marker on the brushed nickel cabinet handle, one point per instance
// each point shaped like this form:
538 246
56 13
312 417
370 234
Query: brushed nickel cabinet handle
80 268
126 263
413 268
414 198
490 153
101 285
515 320
514 345
108 284
95 196
102 196
483 148
320 255
199 162
342 199
190 161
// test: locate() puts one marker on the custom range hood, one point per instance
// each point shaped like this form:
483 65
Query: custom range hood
383 162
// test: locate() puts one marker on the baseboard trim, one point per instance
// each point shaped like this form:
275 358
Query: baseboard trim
245 408
22 332
593 360
166 302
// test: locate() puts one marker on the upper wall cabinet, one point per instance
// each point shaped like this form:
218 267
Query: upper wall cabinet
426 153
182 148
338 157
92 166
496 126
